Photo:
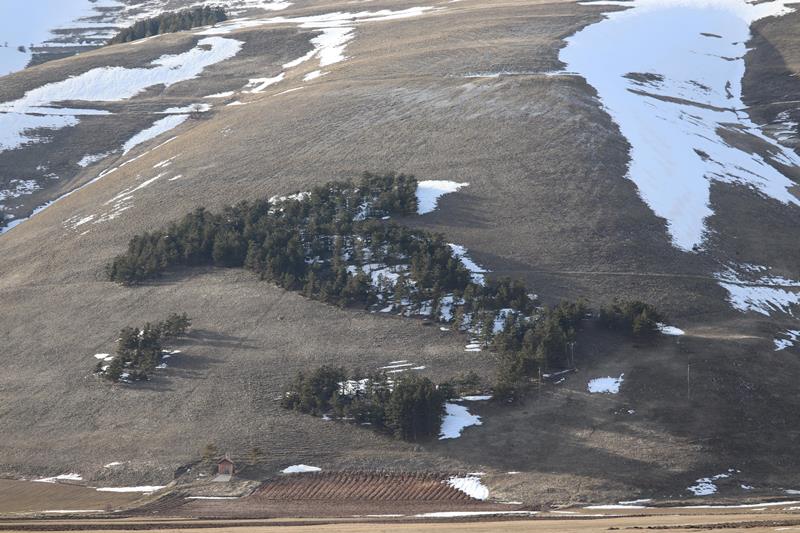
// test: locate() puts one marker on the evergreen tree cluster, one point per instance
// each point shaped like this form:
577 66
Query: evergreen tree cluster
311 243
140 350
529 347
172 22
322 243
631 317
410 408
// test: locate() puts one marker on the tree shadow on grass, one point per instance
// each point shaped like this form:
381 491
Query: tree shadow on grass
216 339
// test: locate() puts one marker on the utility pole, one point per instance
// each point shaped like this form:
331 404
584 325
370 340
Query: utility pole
688 370
689 381
540 380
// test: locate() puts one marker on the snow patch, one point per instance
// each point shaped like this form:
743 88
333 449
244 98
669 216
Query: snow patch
669 330
477 271
456 514
61 477
476 398
159 127
706 486
300 469
429 192
258 85
469 485
92 159
606 385
456 419
615 506
314 74
790 339
763 294
225 94
145 489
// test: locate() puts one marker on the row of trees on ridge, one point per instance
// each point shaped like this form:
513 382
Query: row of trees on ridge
171 22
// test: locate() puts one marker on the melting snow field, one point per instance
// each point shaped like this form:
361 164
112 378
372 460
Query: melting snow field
706 486
429 192
36 109
607 385
456 419
751 289
336 31
669 73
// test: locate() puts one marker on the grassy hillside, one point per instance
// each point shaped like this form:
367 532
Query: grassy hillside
546 203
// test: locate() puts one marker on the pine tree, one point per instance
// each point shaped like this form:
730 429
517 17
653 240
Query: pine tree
114 370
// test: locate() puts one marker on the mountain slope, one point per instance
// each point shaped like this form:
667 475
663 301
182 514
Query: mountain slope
547 202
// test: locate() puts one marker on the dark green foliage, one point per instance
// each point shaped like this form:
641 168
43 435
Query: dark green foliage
415 408
175 325
527 348
314 393
315 243
411 410
469 383
139 350
298 244
631 317
171 23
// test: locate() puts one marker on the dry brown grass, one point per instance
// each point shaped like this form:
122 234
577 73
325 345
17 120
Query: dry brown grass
26 497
